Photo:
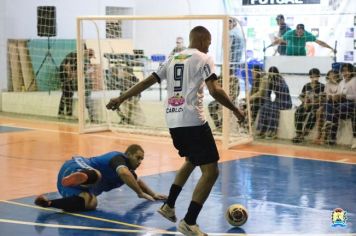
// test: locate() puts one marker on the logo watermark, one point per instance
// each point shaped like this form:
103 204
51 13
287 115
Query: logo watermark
339 217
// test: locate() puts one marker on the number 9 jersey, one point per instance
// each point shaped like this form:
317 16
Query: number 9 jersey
185 73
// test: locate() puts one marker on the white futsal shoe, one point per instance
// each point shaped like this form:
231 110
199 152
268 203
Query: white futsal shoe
167 212
190 230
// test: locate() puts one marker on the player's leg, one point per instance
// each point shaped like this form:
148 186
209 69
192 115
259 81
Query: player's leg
76 172
167 210
181 178
182 141
201 192
82 177
81 202
210 173
203 153
72 183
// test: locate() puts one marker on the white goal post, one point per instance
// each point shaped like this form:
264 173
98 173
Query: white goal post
125 49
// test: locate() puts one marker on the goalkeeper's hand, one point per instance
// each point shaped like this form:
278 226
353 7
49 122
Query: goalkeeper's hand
114 104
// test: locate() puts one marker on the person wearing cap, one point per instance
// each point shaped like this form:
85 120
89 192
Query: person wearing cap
306 113
283 28
296 41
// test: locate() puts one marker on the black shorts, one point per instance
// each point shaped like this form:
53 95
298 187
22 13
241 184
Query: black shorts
196 143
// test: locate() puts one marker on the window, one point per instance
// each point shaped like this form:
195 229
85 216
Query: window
118 29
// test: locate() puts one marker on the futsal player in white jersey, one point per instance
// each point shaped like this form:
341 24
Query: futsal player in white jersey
186 73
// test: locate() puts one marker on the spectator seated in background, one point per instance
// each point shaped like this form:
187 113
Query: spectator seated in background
343 106
276 97
215 108
311 97
332 81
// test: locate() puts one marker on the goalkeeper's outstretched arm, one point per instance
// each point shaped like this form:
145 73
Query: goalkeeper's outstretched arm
115 103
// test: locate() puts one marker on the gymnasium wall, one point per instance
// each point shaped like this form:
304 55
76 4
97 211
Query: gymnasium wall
329 20
18 20
333 19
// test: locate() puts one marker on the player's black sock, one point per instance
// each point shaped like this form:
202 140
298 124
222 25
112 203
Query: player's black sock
73 203
193 212
173 195
92 176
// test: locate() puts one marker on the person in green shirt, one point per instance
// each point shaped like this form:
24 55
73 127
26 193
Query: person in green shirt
296 41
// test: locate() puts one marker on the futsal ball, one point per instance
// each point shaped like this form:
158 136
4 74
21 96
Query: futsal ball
236 215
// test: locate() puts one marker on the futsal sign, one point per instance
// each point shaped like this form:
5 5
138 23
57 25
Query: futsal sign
278 2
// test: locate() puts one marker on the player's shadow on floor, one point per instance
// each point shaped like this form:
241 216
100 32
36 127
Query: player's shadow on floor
237 230
142 212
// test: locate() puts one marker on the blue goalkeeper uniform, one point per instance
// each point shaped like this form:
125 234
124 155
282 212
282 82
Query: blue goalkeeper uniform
107 164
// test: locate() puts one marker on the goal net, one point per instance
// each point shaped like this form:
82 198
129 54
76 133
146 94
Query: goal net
116 52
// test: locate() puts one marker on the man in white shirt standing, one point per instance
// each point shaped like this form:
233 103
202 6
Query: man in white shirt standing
186 74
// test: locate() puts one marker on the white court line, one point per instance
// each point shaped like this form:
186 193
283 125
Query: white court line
10 124
148 233
147 230
145 139
343 161
71 226
84 216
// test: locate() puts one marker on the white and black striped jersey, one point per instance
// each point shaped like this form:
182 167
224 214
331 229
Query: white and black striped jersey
186 73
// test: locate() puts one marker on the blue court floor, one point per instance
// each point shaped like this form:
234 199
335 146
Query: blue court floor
6 129
283 196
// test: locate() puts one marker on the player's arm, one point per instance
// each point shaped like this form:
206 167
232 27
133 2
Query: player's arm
219 95
325 45
150 192
129 179
133 91
118 163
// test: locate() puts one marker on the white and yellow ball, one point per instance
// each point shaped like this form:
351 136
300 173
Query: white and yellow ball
236 215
